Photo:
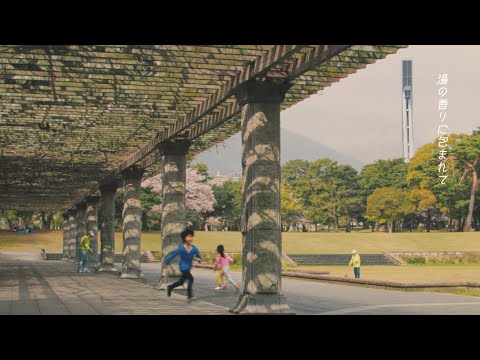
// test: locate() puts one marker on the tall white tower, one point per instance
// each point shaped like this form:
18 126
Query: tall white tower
407 110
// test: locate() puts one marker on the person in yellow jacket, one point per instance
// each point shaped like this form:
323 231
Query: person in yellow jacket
355 261
84 250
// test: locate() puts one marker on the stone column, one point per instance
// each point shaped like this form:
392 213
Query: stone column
66 236
107 239
174 218
132 223
72 239
81 227
261 226
92 225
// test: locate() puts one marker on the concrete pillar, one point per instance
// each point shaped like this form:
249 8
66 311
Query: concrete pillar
107 239
92 225
72 239
261 225
174 219
66 236
81 227
132 223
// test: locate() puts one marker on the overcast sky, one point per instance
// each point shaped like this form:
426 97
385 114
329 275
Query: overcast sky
361 115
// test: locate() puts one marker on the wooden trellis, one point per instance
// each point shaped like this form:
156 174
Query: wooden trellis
73 117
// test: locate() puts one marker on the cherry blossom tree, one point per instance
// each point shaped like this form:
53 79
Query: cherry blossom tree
199 199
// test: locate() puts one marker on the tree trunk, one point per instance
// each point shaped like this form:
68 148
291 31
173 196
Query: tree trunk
145 221
336 223
373 226
394 226
44 220
450 225
316 227
390 226
348 229
429 220
49 220
468 222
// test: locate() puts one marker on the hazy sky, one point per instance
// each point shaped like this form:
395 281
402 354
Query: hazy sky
361 115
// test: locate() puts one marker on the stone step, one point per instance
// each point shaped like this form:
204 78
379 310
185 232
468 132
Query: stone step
340 259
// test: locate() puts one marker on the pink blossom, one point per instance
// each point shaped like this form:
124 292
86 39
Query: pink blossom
199 196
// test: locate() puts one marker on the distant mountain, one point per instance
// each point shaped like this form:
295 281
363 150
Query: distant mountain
225 158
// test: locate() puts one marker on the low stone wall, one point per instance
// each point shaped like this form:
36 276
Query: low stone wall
434 253
341 259
50 256
382 283
118 257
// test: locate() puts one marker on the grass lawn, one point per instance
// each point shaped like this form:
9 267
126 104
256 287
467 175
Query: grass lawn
322 243
407 273
293 243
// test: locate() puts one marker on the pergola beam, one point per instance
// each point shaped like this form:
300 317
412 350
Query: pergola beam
72 117
254 69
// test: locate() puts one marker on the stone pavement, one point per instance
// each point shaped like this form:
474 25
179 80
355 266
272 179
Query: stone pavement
311 297
31 286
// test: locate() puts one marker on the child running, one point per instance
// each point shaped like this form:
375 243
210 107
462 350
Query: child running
222 263
186 251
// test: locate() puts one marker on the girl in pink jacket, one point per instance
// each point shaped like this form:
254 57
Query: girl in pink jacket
222 263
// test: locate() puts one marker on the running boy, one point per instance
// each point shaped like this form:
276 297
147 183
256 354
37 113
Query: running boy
186 251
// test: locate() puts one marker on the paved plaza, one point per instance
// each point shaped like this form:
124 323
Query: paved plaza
30 285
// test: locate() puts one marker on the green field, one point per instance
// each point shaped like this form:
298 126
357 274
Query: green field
322 243
293 243
407 273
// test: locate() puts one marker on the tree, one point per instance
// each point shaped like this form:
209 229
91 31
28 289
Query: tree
453 195
327 191
465 151
199 200
151 200
46 218
383 173
199 197
290 209
424 201
229 203
293 170
57 221
387 205
11 216
202 170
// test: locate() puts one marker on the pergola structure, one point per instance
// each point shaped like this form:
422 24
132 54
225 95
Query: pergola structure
78 121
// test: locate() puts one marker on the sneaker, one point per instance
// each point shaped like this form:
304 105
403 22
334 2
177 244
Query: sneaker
169 291
218 287
81 271
237 288
193 298
86 270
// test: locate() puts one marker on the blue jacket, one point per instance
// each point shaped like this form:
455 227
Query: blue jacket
186 258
